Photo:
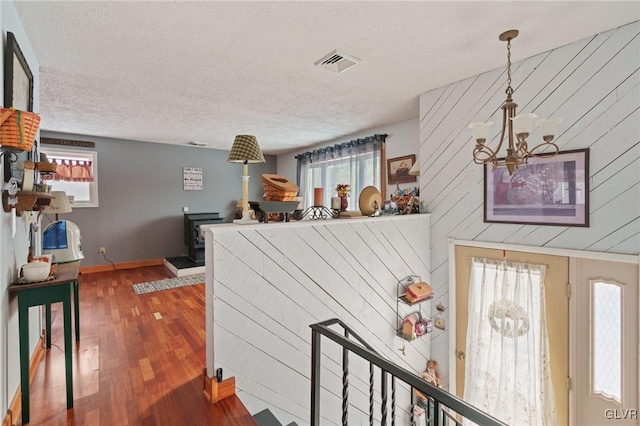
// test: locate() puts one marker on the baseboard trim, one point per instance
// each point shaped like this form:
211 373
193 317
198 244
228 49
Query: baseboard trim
215 391
15 409
124 265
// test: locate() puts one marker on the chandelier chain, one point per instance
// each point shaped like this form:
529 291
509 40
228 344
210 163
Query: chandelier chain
509 90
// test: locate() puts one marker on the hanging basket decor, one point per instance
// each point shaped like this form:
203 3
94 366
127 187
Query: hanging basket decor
279 188
18 128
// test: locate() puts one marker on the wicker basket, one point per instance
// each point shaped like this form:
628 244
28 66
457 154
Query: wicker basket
45 167
279 188
18 128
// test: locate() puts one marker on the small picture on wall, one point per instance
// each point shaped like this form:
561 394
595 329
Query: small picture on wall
398 169
192 178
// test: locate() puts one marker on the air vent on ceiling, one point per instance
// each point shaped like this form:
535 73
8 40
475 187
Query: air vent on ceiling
197 143
337 62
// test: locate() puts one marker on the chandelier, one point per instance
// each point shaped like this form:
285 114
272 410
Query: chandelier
518 151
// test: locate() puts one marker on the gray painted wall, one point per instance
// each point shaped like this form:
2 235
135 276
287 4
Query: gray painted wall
141 197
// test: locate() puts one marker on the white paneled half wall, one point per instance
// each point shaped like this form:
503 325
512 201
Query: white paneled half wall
594 85
266 283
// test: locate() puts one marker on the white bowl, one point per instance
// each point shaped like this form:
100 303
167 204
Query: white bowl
36 271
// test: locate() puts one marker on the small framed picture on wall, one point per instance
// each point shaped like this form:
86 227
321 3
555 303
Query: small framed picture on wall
398 169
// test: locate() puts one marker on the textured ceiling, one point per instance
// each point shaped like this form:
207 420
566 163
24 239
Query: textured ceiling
175 72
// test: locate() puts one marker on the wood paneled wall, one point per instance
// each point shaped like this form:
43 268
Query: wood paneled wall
593 84
269 282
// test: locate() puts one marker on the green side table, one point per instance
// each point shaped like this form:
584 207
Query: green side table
46 293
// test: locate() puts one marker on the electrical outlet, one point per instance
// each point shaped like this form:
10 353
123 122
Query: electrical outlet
103 250
185 209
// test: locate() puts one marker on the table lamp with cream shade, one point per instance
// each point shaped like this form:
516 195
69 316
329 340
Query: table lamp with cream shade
245 150
415 170
61 238
59 203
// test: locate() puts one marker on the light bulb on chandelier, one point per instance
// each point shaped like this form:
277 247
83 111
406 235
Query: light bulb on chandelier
518 151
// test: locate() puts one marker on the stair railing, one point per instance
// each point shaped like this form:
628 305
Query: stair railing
443 407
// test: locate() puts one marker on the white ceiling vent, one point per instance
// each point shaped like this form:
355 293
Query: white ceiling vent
192 143
337 62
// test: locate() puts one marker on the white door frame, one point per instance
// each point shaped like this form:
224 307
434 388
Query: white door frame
570 253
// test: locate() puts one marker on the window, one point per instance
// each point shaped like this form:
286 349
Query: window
356 163
77 175
606 337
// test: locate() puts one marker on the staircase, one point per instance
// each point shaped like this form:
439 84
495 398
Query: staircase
443 408
228 409
266 418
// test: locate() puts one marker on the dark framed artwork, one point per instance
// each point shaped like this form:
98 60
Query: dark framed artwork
398 169
546 191
18 79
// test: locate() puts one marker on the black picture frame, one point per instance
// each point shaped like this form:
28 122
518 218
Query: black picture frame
547 191
18 78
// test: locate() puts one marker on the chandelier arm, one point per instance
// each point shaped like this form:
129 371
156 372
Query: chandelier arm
482 154
544 154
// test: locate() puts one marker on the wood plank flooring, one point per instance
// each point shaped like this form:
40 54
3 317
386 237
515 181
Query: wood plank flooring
139 360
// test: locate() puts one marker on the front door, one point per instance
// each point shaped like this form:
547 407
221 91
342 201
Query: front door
606 343
557 309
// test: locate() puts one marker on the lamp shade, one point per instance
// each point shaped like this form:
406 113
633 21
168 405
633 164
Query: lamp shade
59 203
245 149
415 169
549 127
523 123
480 130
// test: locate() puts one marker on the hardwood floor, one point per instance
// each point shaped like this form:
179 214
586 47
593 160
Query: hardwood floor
131 366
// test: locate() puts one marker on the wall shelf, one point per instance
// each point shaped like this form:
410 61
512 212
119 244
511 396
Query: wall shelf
403 299
422 316
27 200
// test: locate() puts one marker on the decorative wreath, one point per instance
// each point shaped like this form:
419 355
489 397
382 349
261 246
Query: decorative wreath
514 321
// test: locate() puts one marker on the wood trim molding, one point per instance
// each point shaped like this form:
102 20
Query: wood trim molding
215 391
551 251
125 265
452 317
15 409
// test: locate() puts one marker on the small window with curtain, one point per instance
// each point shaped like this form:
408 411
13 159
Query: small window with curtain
76 174
356 163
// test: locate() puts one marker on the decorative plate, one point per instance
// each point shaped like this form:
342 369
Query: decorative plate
368 199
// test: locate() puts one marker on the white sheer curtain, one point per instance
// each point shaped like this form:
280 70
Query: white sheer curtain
507 372
356 163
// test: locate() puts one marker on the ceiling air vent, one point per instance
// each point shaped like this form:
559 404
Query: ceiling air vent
337 62
192 143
